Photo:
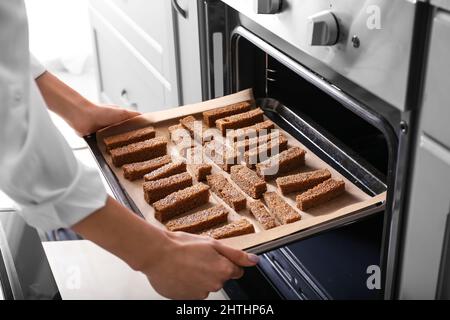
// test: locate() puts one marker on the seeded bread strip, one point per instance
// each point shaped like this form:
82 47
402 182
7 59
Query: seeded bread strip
248 181
126 138
181 138
197 129
248 144
280 208
140 151
200 171
192 124
293 158
262 152
226 191
165 171
240 120
302 181
158 189
320 194
221 154
177 133
233 229
199 221
181 201
195 155
134 171
259 211
251 131
210 117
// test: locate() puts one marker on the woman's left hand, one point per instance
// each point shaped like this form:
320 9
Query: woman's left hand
97 117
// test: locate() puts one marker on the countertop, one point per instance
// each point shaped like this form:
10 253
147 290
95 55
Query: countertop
83 270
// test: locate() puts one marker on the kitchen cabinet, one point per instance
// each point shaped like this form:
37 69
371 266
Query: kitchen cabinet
428 214
135 53
147 52
436 106
425 261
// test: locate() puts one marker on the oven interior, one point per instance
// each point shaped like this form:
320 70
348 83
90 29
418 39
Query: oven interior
270 78
333 264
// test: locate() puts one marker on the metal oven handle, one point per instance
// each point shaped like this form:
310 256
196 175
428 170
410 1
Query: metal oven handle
179 9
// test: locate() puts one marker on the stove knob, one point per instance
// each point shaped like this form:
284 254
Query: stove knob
323 29
267 6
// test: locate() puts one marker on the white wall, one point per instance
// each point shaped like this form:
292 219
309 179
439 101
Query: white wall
59 32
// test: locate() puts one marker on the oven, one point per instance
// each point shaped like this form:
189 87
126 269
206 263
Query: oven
344 77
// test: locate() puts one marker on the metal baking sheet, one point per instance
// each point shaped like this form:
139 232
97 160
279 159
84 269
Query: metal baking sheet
358 202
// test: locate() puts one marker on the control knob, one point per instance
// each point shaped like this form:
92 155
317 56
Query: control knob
323 29
267 6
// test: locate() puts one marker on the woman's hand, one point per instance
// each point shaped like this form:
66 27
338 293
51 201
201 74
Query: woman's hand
96 117
82 115
191 266
178 265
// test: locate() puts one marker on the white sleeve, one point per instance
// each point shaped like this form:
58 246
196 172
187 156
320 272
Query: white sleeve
37 167
36 68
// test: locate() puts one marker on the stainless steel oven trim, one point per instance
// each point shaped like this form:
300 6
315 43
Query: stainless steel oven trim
12 289
6 292
347 65
27 273
443 290
407 136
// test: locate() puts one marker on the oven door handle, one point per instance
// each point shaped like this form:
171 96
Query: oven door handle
179 9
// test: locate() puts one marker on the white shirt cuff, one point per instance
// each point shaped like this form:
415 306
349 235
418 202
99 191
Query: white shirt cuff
36 68
76 204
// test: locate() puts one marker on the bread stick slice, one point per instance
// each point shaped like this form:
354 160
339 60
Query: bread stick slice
181 201
302 181
130 137
320 194
199 221
158 189
233 229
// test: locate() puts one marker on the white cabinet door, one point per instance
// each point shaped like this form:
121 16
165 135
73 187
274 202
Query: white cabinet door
135 53
436 102
428 211
424 257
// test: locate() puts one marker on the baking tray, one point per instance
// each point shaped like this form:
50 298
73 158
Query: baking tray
335 156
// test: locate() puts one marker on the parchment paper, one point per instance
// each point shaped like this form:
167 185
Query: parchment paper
354 199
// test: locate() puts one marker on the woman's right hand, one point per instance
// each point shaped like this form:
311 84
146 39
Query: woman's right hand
178 265
191 266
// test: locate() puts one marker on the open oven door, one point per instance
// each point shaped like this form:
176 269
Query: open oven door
235 58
